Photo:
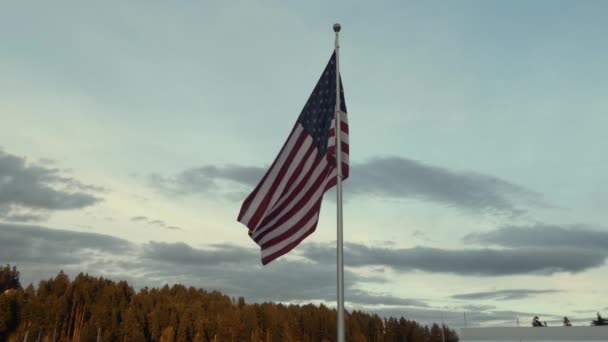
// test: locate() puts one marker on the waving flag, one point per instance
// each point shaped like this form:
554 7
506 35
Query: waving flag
284 207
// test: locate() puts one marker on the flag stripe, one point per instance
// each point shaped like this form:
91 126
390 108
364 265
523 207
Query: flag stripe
299 196
268 257
303 206
293 197
308 218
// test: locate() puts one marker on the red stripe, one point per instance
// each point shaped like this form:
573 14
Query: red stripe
345 171
261 209
344 126
298 206
290 246
345 147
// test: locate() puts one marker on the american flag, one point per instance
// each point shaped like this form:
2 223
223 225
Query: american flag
284 207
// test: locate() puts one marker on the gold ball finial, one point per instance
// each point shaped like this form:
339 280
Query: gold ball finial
337 27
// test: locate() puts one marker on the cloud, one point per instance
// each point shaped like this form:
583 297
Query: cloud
550 236
481 262
139 218
502 294
366 298
392 177
181 253
16 214
28 243
399 177
237 271
230 268
40 252
159 223
29 192
205 179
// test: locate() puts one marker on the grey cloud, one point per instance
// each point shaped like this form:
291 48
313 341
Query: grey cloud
14 214
406 178
206 178
139 218
234 269
502 294
26 217
237 271
29 243
393 177
482 262
34 187
359 297
46 161
421 235
181 253
40 252
159 223
576 236
477 307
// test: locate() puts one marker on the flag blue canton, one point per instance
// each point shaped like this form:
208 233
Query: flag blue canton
319 110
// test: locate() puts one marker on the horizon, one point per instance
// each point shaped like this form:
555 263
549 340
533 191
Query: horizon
131 134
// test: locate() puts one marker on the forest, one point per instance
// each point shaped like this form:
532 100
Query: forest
90 308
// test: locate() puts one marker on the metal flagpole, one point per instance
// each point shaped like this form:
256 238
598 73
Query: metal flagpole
340 253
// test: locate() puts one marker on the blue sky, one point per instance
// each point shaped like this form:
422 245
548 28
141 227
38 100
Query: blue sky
472 123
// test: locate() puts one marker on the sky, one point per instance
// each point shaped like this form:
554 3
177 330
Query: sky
131 132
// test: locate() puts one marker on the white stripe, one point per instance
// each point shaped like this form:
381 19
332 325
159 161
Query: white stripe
344 158
277 247
294 219
293 138
313 178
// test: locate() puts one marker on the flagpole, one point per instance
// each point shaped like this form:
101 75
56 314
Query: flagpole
340 252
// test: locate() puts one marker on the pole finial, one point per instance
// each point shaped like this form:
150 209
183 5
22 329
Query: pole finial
337 27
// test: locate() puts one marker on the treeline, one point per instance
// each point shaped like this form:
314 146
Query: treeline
88 307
